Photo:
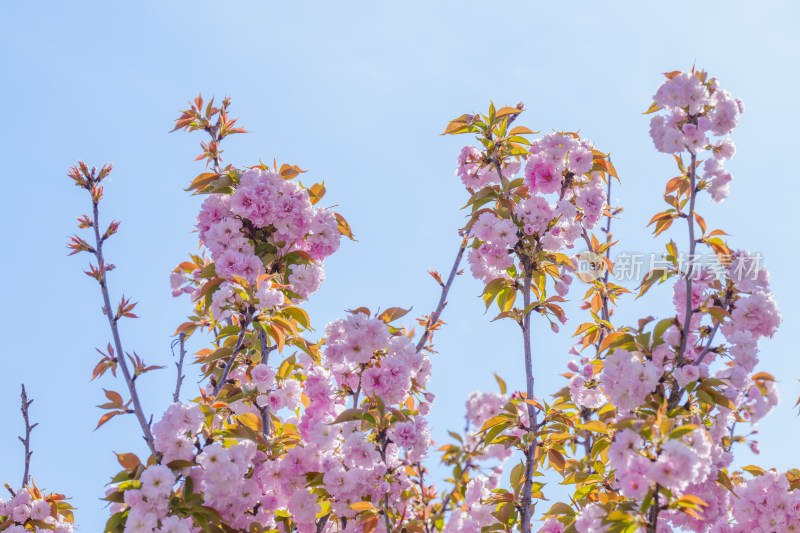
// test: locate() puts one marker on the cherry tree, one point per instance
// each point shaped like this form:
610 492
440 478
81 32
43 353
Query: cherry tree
293 430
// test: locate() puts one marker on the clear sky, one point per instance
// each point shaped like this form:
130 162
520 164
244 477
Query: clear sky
356 93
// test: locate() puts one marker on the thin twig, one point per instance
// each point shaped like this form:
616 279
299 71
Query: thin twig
179 365
451 494
358 391
606 314
26 403
708 346
443 298
112 322
266 418
229 364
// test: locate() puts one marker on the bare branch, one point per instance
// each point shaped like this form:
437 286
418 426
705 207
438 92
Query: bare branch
26 403
677 391
181 340
434 318
91 184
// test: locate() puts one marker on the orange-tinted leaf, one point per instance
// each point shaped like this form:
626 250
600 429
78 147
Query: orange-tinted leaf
210 284
521 130
290 171
344 227
316 192
250 420
370 524
361 506
458 125
700 221
755 470
113 396
393 313
106 417
128 461
556 459
202 180
652 109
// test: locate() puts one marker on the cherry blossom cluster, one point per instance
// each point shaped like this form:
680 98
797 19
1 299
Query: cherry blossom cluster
474 515
674 395
677 464
584 389
331 435
28 510
146 502
753 315
248 484
481 406
564 199
251 234
696 110
766 504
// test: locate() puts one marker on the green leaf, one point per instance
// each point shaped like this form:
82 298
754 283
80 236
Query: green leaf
501 383
349 415
594 425
517 475
560 509
657 274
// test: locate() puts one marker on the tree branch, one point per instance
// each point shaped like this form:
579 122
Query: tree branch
266 418
443 298
112 320
27 440
179 365
692 246
677 391
239 341
708 346
530 453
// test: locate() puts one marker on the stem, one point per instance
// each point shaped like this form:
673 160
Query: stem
530 453
456 486
27 440
321 523
179 365
383 442
506 194
443 298
385 512
606 315
229 364
677 391
692 245
112 323
654 510
358 392
266 419
708 346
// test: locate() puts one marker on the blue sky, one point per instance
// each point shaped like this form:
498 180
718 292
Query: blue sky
356 93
